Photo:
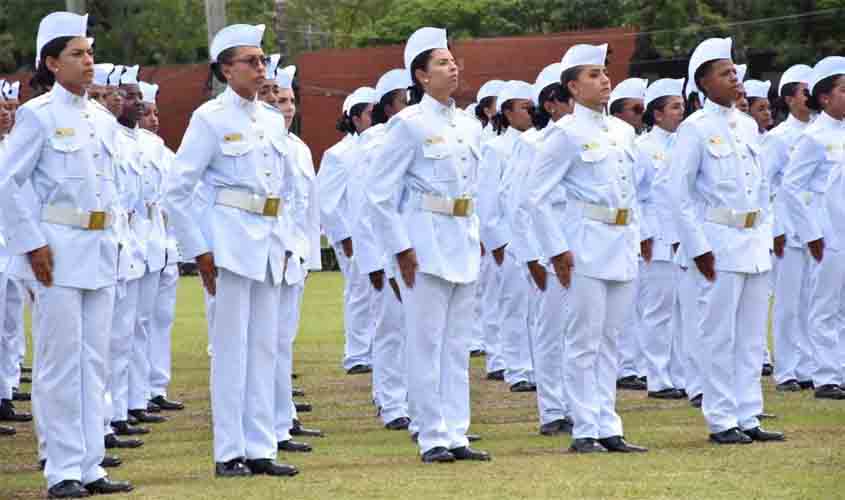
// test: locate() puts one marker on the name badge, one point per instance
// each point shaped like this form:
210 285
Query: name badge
435 140
716 140
233 137
590 146
65 132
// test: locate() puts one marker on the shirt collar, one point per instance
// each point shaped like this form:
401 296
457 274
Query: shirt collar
231 97
661 134
63 96
714 107
582 112
826 120
791 121
437 107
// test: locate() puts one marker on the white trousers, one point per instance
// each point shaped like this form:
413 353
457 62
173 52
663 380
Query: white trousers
660 344
794 358
596 313
244 338
827 317
490 319
732 326
139 365
70 381
120 349
477 340
38 418
548 341
358 317
390 378
289 316
513 314
162 324
438 322
686 324
12 338
630 337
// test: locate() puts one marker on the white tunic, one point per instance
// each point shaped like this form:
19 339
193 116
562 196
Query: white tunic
778 146
652 156
332 180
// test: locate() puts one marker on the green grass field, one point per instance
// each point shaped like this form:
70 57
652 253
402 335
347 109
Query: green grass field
359 459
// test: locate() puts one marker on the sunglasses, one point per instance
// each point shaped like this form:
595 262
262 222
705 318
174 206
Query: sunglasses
253 61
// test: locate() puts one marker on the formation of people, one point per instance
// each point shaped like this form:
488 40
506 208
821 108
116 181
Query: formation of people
582 237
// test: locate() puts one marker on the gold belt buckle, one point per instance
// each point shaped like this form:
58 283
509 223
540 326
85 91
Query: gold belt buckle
461 207
622 216
750 219
96 221
271 207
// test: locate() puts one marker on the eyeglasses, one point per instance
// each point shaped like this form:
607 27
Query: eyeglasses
637 109
253 61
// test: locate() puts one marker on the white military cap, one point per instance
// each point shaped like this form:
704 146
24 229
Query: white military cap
490 89
583 54
514 89
799 73
101 73
757 88
548 76
741 71
827 67
273 66
284 76
58 25
12 91
662 88
394 79
345 107
630 88
114 77
130 75
471 108
363 95
236 35
711 49
2 89
422 40
149 91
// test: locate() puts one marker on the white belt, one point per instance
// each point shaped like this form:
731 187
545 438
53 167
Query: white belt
734 218
75 217
612 216
257 204
456 207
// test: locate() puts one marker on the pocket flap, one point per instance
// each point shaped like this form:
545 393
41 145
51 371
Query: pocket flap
235 148
437 151
65 144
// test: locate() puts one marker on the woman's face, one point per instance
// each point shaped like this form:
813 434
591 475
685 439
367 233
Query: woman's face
74 67
245 73
286 102
149 118
672 115
269 92
761 111
592 87
742 104
519 116
365 120
834 102
441 74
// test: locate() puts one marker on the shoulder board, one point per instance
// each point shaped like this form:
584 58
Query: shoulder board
410 111
149 135
268 107
39 101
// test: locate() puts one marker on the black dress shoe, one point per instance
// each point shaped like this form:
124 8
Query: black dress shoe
7 431
830 391
303 407
42 463
359 370
294 375
766 416
21 396
298 430
767 370
806 384
790 385
730 436
110 462
496 375
132 420
105 486
26 369
415 437
146 418
67 489
617 444
759 434
398 424
167 404
437 455
552 428
25 379
670 393
270 468
467 453
586 445
8 413
233 468
122 428
477 353
297 392
473 438
697 401
112 442
523 386
294 447
631 383
153 408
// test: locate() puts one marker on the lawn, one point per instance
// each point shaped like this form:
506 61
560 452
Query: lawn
359 459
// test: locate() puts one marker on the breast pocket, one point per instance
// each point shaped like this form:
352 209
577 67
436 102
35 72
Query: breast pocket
723 156
594 159
65 153
440 156
236 158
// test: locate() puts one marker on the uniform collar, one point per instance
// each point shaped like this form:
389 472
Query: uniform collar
130 132
660 134
826 120
585 114
716 108
791 121
512 133
231 97
437 107
63 96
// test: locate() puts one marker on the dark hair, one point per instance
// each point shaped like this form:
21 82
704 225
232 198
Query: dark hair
788 90
419 63
379 113
215 72
500 121
345 124
658 104
824 86
752 100
690 103
617 106
570 75
481 106
43 78
701 72
555 91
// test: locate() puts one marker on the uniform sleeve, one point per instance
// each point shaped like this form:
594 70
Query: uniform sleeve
23 150
645 197
332 182
522 225
493 229
685 163
775 158
192 160
663 199
368 251
802 168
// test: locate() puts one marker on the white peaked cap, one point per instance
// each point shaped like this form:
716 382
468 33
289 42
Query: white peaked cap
12 91
284 76
58 25
363 95
630 88
800 73
741 71
490 89
757 88
130 75
583 54
829 66
149 91
471 108
2 90
394 79
236 35
514 89
708 50
101 73
345 107
548 76
114 77
273 66
422 40
664 87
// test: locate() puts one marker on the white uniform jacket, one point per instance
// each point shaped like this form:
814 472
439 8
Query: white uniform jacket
332 180
496 156
369 252
155 160
652 156
131 228
431 149
778 146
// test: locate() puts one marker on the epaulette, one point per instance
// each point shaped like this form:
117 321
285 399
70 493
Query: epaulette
39 101
151 135
270 108
410 111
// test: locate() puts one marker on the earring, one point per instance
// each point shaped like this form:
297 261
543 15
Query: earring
426 82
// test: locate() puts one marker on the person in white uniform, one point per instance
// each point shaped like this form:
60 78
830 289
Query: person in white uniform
237 147
794 359
431 163
816 167
723 220
59 145
593 249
